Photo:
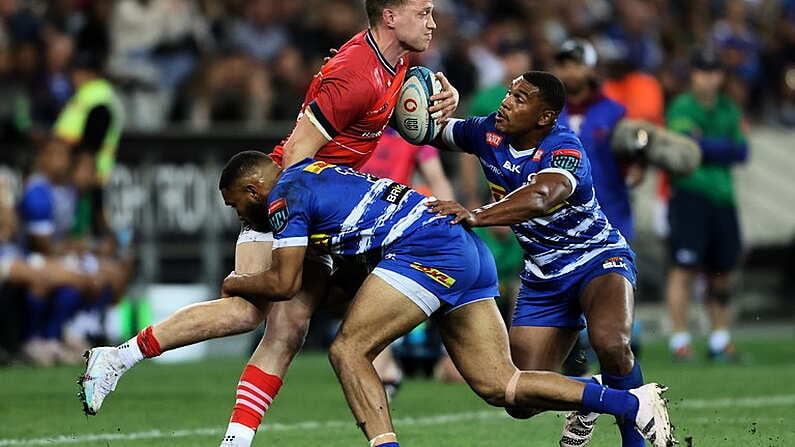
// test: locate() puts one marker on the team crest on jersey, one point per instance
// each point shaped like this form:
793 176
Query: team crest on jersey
493 139
317 167
278 214
568 159
435 274
616 262
537 154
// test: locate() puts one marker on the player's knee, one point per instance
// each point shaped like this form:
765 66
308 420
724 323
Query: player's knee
339 352
614 352
288 335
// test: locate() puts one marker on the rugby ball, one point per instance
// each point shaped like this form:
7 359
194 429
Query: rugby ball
412 120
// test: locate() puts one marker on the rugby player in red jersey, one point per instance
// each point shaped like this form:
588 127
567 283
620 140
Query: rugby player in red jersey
347 106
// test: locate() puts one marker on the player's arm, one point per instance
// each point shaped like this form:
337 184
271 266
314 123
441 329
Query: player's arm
306 139
279 283
430 167
544 192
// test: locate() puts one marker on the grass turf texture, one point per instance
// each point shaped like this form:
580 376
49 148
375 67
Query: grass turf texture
750 404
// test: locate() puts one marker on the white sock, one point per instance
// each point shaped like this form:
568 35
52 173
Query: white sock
679 340
238 435
719 340
130 353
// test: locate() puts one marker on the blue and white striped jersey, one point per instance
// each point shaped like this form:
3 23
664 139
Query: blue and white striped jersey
567 236
342 211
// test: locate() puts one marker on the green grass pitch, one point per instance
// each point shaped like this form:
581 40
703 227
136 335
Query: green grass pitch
750 404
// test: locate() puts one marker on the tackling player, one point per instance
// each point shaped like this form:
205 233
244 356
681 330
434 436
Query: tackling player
575 262
347 106
386 222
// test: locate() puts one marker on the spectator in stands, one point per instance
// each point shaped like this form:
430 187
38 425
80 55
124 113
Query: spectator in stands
259 33
738 49
52 88
634 35
704 227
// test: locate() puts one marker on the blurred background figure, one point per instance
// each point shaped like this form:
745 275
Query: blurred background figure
704 227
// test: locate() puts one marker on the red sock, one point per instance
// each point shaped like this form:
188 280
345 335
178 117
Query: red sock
255 393
148 344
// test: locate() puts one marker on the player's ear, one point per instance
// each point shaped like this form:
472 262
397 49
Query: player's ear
389 17
547 118
252 191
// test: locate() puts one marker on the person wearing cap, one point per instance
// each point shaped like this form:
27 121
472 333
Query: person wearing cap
702 213
593 117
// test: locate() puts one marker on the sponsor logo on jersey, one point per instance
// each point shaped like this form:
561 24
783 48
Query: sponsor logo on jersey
317 167
278 214
511 167
616 262
497 191
493 139
537 154
568 159
320 241
394 192
435 274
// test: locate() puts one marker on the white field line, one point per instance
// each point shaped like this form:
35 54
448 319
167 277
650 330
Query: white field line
742 402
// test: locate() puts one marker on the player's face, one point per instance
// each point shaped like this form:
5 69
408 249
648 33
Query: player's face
575 76
250 205
414 24
706 82
522 110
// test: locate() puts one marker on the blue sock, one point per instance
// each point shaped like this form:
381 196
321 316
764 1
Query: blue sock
602 399
630 437
389 444
584 379
66 301
36 315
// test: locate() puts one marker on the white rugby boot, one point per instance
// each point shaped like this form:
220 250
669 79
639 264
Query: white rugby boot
104 368
652 419
580 425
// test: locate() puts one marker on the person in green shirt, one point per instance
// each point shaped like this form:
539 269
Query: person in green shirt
702 214
91 125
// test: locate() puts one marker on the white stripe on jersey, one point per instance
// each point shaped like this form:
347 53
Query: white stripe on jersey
403 224
531 267
350 223
366 241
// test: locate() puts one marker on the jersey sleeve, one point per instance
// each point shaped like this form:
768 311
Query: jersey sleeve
341 99
36 210
289 215
465 135
568 159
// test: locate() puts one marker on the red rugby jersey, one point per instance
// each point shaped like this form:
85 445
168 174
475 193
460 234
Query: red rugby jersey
352 98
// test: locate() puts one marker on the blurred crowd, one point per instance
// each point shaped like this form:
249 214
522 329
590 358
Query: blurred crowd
247 62
201 64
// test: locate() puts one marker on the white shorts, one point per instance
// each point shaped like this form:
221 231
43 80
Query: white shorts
247 234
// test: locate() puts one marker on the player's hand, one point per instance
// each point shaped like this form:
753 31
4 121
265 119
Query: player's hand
333 52
452 208
230 284
445 102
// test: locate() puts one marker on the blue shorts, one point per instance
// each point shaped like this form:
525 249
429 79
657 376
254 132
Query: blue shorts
556 302
440 266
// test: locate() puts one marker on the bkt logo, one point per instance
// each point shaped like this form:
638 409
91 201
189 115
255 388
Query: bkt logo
411 124
410 105
614 263
511 167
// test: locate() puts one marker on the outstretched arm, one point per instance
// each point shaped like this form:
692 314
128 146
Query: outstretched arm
544 192
279 283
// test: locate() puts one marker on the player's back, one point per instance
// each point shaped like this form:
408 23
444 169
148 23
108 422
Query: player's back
351 100
344 211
